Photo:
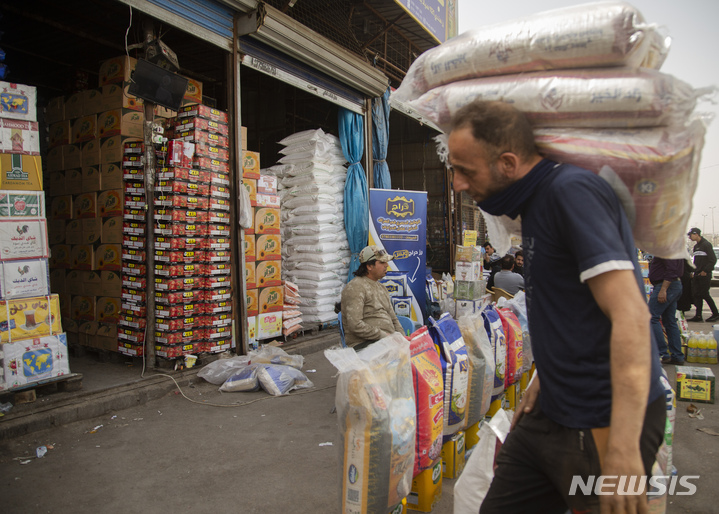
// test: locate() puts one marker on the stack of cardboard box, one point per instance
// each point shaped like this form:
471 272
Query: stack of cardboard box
97 205
32 345
263 251
192 258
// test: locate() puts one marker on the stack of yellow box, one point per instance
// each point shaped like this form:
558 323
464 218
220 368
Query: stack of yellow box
32 345
263 243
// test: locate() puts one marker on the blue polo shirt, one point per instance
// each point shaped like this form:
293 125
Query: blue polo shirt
574 228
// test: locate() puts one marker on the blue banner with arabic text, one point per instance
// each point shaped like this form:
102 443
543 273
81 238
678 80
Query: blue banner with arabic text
398 223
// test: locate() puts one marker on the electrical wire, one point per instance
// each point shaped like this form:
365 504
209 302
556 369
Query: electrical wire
234 404
127 51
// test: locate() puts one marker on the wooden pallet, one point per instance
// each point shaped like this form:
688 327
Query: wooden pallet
28 393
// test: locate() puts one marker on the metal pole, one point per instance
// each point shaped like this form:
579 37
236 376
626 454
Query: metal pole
704 223
714 234
149 168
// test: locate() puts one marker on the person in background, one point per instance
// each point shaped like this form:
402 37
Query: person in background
665 275
506 279
704 261
685 300
596 404
367 313
519 262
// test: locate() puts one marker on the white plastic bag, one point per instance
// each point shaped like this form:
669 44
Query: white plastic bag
272 355
471 487
220 370
245 209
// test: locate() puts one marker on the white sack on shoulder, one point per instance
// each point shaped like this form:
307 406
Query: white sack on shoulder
606 34
592 98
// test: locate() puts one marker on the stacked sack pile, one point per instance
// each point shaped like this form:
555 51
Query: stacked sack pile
315 256
33 346
587 77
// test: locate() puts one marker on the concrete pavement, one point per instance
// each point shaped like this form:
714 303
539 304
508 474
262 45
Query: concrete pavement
248 452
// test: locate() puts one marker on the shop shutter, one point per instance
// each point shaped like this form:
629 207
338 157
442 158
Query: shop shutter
299 55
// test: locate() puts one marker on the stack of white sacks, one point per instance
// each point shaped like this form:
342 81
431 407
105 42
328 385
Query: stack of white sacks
315 251
587 77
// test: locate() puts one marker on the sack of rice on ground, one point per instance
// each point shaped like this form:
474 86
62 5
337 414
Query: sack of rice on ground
377 422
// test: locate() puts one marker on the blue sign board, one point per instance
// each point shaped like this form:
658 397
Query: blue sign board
438 17
398 223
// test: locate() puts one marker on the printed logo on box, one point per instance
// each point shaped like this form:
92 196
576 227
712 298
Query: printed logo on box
16 172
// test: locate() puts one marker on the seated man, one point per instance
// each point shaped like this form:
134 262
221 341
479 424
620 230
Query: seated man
506 279
367 313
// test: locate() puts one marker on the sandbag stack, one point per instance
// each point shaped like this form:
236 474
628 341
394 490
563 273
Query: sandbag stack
587 77
315 253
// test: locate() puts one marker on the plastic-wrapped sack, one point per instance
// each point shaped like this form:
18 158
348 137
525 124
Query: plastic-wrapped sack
591 98
218 371
495 332
242 380
377 422
653 171
273 355
429 397
518 306
455 370
590 35
513 336
472 486
278 380
665 452
481 366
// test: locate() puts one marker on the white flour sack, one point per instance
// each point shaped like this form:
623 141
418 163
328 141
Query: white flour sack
653 171
591 35
591 98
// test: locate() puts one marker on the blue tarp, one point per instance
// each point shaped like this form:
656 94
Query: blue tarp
351 132
380 140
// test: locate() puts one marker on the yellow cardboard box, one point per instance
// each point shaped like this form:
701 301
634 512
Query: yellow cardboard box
55 160
117 69
252 302
112 230
120 122
91 153
60 256
82 257
110 203
250 275
108 257
29 318
73 232
91 101
91 230
71 156
61 208
55 109
91 180
84 129
268 273
250 164
426 489
116 96
85 205
58 133
22 172
271 298
57 183
111 176
73 105
108 309
56 232
91 283
110 284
